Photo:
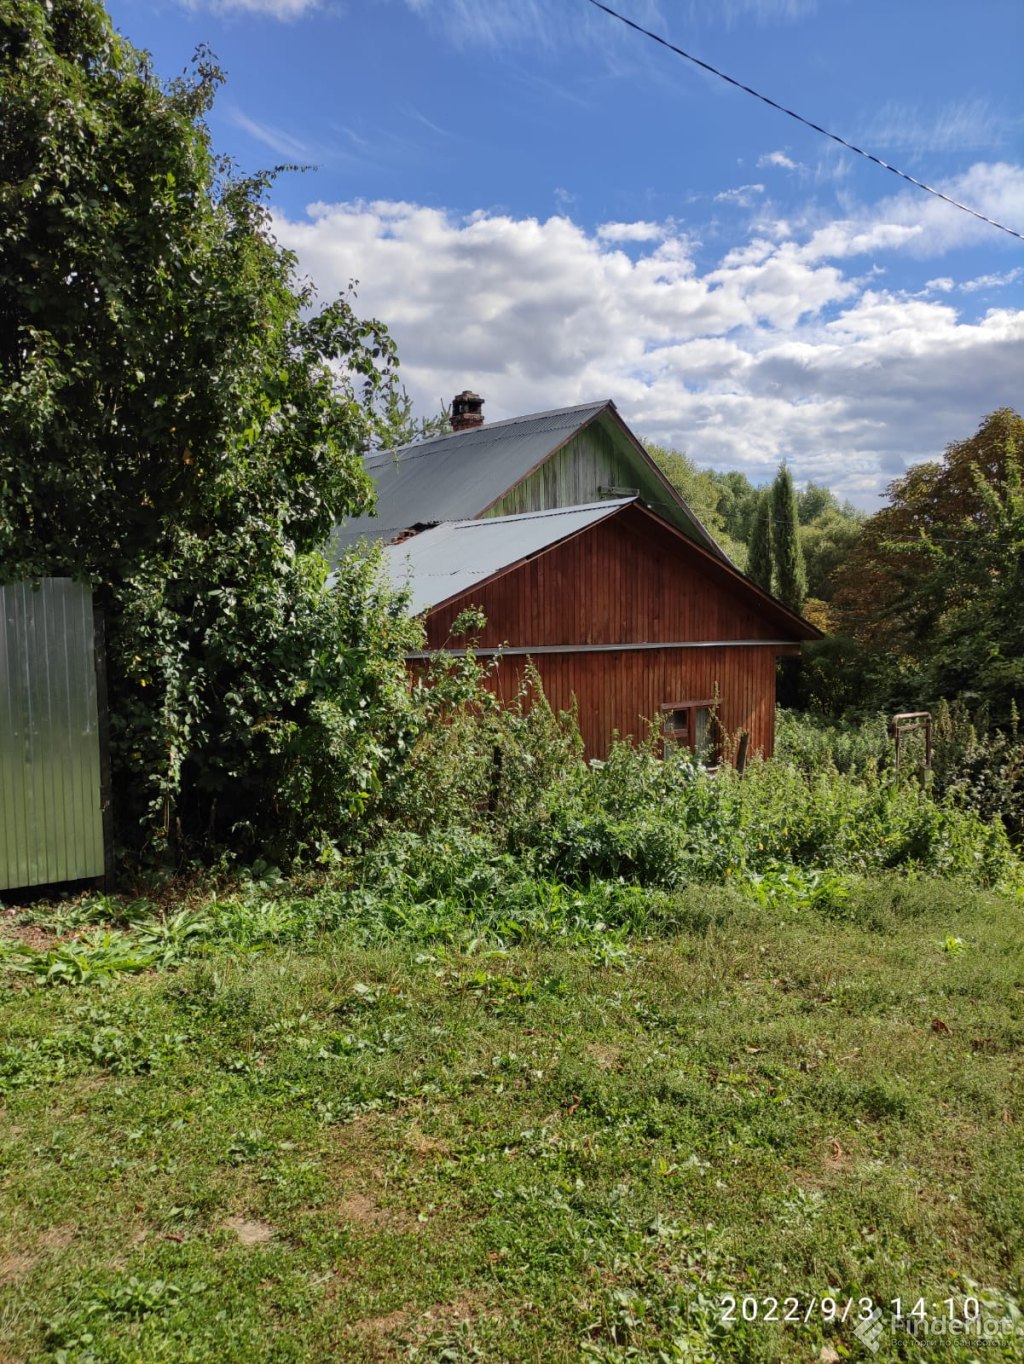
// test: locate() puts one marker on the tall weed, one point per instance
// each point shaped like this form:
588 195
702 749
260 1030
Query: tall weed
668 823
814 745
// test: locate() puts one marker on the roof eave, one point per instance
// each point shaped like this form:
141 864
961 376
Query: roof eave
613 508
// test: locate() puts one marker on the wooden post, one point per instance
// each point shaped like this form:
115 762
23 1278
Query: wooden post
912 722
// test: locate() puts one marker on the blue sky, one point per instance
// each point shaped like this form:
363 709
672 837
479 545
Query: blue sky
546 207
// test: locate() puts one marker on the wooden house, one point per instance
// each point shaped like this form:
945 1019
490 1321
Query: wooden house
620 598
563 458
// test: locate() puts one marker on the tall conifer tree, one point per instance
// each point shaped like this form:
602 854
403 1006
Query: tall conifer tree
790 571
759 560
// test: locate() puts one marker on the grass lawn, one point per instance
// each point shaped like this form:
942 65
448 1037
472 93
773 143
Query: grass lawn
410 1152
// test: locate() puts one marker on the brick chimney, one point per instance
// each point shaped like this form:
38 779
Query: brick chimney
467 411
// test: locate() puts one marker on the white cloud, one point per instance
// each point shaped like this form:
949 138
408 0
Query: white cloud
630 232
275 138
959 125
743 196
734 12
775 351
921 225
995 189
849 237
274 9
493 23
526 23
971 286
779 159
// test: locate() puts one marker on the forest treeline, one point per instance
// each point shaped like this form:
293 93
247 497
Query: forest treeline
922 601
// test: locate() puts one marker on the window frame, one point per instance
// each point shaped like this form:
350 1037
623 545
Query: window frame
687 735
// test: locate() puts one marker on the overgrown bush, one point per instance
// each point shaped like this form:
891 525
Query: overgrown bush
475 762
182 425
830 802
814 744
975 767
980 768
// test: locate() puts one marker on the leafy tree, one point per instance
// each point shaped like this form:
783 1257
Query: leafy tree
697 486
814 502
399 424
760 556
701 489
737 504
936 581
790 574
181 428
827 543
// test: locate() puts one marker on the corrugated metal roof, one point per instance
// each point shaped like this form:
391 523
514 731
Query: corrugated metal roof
459 475
451 558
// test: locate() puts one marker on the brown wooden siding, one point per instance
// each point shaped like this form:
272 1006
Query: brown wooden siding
623 692
628 580
622 581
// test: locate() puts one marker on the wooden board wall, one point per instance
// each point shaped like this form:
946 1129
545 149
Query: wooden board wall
624 580
571 477
627 580
623 692
601 456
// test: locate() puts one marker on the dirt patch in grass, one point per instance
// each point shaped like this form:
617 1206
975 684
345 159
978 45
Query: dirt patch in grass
463 1308
463 1311
250 1231
422 1145
382 1338
604 1054
14 1268
363 1211
19 1264
28 935
380 1328
414 1323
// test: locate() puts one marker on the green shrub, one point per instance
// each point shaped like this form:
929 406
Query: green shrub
979 768
814 744
479 764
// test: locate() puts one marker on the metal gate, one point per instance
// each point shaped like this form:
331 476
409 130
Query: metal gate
51 762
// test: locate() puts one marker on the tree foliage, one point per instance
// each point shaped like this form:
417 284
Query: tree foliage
760 558
732 508
790 574
936 581
401 425
180 427
701 489
725 502
828 532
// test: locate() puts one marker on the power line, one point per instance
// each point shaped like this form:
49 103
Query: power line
706 66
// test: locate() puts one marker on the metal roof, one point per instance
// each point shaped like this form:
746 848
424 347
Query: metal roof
451 558
458 476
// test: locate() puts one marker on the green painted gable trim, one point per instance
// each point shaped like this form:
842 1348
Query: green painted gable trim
602 459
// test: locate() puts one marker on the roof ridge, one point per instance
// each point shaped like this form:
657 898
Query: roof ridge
605 502
416 449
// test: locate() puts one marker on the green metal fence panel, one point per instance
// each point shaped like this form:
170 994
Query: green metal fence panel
51 797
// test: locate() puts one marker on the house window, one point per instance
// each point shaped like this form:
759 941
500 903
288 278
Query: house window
692 725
